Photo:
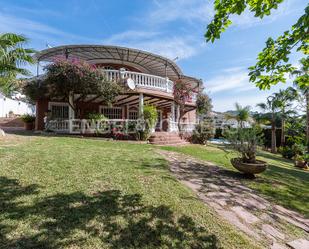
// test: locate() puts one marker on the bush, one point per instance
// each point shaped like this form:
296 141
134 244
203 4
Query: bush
96 116
148 122
291 151
27 118
286 152
203 132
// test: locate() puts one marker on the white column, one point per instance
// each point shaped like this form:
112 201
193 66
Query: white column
166 84
177 113
71 102
173 112
141 105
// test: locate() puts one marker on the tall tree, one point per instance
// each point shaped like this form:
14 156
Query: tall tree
273 62
271 105
284 100
302 78
12 58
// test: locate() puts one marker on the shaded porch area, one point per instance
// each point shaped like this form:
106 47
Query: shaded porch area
125 112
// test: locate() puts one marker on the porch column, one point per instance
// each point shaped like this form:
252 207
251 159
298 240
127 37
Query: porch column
173 112
177 113
172 121
141 105
71 111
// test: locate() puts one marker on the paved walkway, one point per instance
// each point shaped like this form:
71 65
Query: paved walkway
221 189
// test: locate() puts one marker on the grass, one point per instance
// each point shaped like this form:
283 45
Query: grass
281 182
58 192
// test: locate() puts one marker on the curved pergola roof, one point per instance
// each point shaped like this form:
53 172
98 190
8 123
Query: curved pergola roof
144 61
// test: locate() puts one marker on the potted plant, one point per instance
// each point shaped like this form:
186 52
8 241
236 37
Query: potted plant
97 122
28 120
245 142
301 161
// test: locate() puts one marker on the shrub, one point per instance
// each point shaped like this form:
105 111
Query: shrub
27 118
286 152
143 129
291 151
96 116
203 132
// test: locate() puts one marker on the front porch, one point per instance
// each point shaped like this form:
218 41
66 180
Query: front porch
126 112
112 126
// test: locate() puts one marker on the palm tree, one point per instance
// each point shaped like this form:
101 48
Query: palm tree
302 83
284 100
241 115
12 57
271 106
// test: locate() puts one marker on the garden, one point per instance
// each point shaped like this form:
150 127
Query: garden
61 192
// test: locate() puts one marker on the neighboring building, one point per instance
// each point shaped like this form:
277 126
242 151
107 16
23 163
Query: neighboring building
14 106
154 77
222 122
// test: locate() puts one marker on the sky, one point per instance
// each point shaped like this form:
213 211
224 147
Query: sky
172 28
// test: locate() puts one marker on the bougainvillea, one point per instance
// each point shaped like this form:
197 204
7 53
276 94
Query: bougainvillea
65 77
182 93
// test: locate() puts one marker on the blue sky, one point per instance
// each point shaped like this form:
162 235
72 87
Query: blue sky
173 28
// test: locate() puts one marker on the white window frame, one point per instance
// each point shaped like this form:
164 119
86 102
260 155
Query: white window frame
133 110
50 104
114 107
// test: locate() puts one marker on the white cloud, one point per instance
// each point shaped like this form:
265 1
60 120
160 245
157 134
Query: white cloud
247 18
202 11
233 85
231 79
187 10
38 32
156 42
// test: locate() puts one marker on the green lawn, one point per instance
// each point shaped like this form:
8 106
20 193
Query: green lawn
281 182
58 192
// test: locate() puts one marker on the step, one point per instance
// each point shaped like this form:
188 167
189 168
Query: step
11 122
174 141
163 139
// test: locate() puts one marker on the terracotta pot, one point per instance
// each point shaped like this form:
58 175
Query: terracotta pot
249 168
300 164
29 126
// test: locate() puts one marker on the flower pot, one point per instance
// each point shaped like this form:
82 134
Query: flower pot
29 126
301 164
249 168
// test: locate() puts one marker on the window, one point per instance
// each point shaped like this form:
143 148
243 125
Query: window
133 114
111 112
59 111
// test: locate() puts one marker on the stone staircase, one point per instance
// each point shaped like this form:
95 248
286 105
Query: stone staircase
166 138
11 123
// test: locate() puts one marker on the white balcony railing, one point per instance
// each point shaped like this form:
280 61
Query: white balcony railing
125 126
143 80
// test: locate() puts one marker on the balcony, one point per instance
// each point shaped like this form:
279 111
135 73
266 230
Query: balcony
142 80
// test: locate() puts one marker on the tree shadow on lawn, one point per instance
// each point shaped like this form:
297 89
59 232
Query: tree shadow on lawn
275 157
75 219
286 186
